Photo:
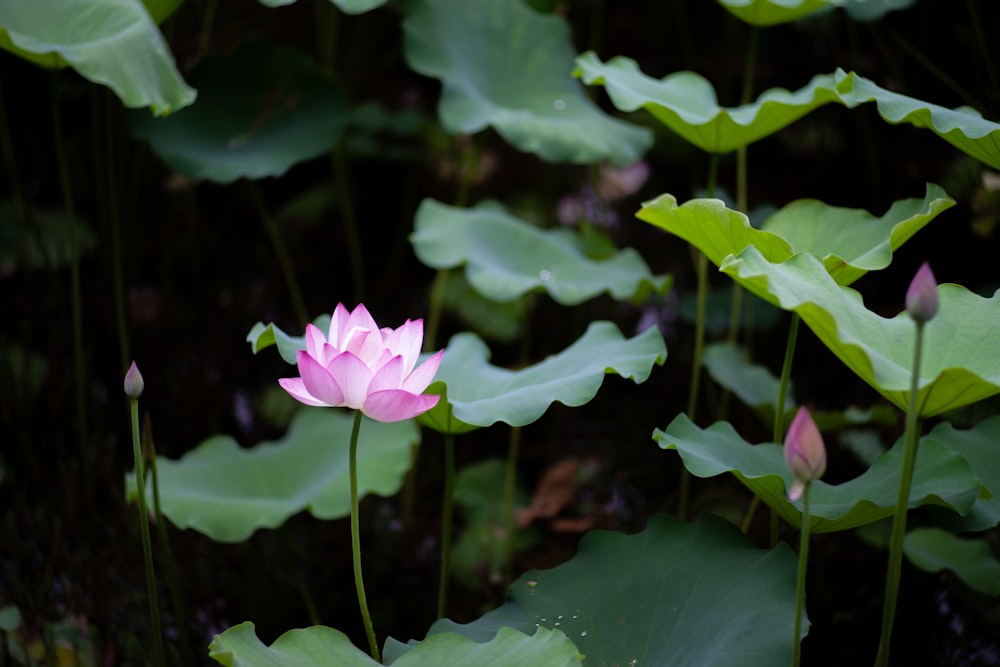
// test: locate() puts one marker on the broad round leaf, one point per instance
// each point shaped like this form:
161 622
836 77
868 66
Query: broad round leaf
964 128
227 492
850 242
507 66
686 103
263 109
239 647
941 477
933 550
675 594
111 42
978 445
505 257
481 394
961 354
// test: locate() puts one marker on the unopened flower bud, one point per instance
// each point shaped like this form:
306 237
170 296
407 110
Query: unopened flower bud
805 454
922 296
133 382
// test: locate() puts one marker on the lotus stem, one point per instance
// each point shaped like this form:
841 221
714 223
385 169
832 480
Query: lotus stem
509 491
910 441
800 582
446 522
147 548
280 252
359 582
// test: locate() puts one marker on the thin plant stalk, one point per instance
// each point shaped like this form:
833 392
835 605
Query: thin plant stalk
902 501
280 252
147 548
701 267
509 491
446 523
176 599
113 213
345 202
800 582
359 583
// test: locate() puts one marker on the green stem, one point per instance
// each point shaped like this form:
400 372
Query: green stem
786 374
345 203
176 599
902 501
446 522
116 230
280 251
147 548
509 491
800 582
359 583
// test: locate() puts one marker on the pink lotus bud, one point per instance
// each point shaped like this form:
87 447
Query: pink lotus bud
805 454
133 382
922 296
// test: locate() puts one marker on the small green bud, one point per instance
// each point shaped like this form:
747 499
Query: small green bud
133 382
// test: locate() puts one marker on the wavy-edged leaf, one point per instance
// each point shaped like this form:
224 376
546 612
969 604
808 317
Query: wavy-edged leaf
262 336
941 477
850 242
506 65
687 104
346 6
978 445
653 598
964 128
774 12
933 550
505 258
227 492
239 646
481 394
961 353
263 108
112 42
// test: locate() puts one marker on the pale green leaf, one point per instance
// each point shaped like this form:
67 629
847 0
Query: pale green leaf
961 351
227 492
850 242
774 12
505 258
507 66
941 477
687 104
111 42
262 336
346 6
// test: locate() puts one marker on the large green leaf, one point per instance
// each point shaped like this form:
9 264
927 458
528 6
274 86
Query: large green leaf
961 353
850 242
505 258
933 550
239 646
507 66
686 102
227 492
111 42
346 6
263 109
481 394
978 445
964 128
773 12
675 594
942 476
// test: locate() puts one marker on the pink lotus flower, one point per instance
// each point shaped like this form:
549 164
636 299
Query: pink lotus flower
360 366
805 454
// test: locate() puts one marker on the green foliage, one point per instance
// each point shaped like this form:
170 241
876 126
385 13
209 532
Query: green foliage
505 257
654 598
227 492
933 550
505 66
